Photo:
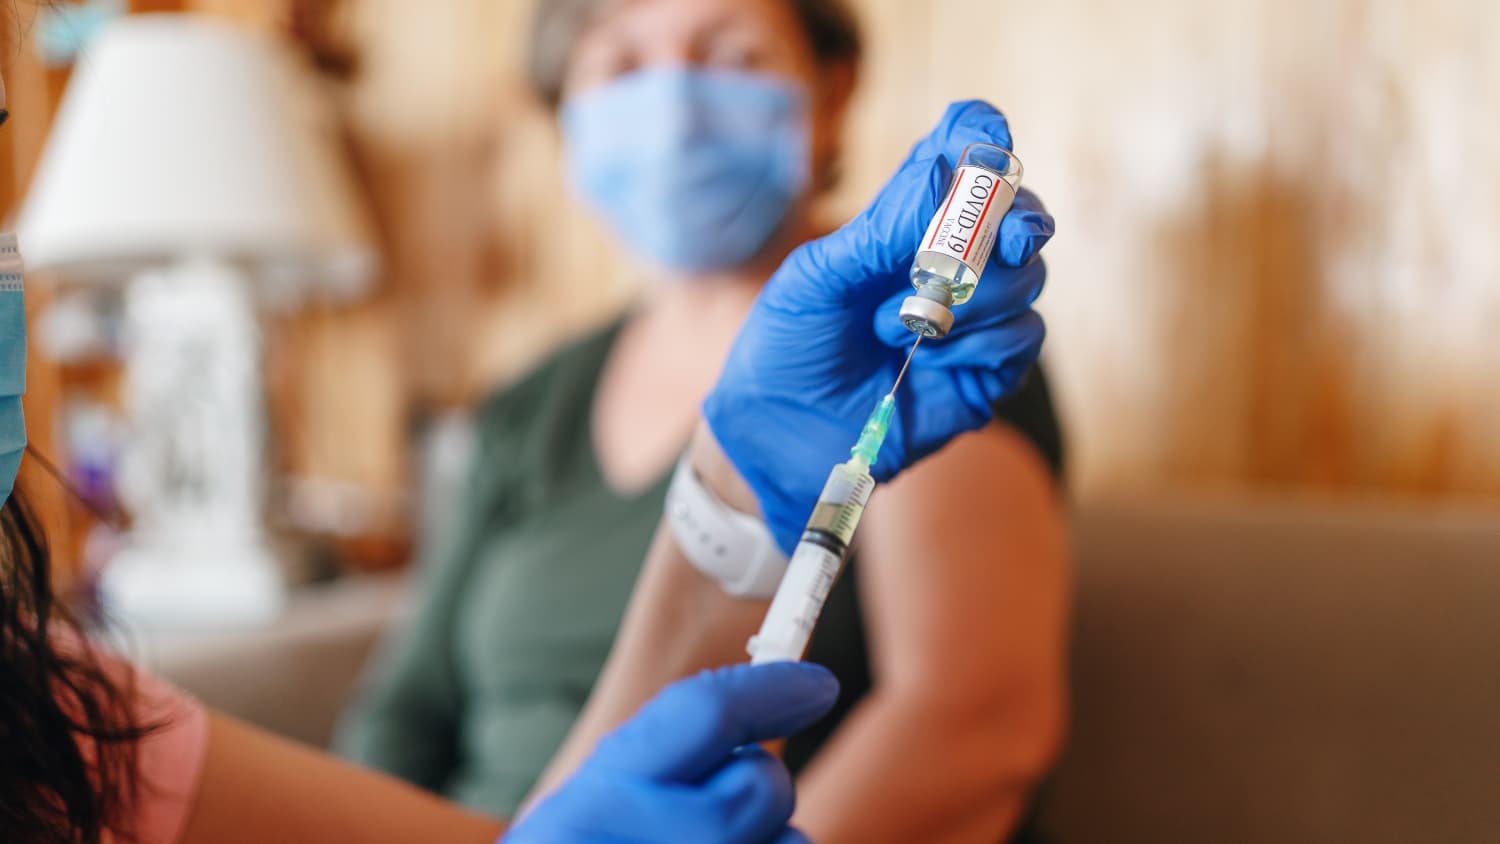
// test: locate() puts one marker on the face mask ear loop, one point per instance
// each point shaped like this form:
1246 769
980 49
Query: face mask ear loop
112 517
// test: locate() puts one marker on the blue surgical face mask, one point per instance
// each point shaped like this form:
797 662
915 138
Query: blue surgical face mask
12 364
694 169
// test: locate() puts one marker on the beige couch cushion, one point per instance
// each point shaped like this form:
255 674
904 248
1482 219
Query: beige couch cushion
1283 672
294 676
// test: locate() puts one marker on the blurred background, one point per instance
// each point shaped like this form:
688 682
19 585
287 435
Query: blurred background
1273 305
1276 268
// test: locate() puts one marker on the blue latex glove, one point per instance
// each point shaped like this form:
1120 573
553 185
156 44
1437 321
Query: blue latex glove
823 342
686 767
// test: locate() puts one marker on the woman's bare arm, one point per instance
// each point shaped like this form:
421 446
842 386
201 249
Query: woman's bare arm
965 585
257 787
678 622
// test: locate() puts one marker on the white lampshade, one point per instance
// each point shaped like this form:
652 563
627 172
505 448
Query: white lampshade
181 136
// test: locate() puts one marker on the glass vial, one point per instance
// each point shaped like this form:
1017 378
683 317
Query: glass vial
960 237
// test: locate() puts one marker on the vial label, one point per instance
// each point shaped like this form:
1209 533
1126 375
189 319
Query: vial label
969 218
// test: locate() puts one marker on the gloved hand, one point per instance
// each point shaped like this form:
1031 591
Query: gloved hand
686 767
823 342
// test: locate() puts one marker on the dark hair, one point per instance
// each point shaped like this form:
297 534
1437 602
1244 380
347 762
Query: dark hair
558 24
69 730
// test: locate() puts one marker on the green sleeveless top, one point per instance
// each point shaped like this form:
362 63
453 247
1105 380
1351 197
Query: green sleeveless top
519 608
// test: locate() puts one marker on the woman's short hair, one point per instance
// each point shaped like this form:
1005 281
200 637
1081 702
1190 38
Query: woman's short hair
831 29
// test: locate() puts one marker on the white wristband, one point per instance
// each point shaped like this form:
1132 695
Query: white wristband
734 549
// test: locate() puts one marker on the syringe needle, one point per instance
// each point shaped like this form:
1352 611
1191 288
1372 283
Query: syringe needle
902 373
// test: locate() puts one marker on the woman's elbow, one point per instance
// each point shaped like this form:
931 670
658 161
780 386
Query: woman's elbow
1010 734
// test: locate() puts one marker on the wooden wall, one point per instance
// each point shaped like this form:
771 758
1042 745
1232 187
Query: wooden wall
1278 263
1278 260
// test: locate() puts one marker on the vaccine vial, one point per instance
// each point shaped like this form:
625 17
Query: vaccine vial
959 240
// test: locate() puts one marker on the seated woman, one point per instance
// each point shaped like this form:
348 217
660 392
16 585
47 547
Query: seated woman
701 131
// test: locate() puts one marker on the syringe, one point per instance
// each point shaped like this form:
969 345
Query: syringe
824 548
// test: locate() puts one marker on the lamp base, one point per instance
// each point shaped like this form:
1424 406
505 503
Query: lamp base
204 587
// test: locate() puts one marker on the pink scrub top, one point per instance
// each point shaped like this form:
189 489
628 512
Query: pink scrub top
169 759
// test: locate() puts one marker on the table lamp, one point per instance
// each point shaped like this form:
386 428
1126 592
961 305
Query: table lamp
196 165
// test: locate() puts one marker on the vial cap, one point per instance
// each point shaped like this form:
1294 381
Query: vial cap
926 317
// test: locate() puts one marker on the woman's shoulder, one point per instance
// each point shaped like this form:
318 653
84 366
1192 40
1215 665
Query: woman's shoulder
556 383
530 433
169 755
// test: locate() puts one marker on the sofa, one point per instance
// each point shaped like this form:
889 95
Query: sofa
1283 671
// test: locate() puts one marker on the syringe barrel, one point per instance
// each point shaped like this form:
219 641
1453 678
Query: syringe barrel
951 257
793 613
814 566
